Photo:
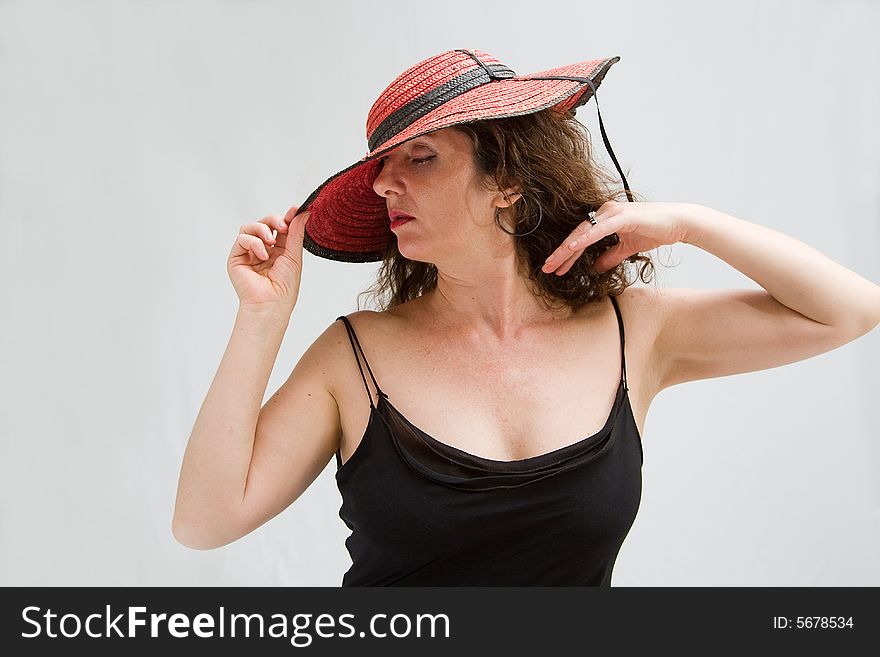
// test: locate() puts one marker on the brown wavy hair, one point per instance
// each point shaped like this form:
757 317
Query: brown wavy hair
548 156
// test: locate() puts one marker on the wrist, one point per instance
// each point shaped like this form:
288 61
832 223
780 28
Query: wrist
265 313
263 329
696 218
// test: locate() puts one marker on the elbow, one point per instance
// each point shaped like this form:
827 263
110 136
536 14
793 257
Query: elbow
872 315
857 324
189 539
869 320
191 536
202 527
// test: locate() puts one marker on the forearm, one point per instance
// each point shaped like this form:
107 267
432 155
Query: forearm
218 454
794 273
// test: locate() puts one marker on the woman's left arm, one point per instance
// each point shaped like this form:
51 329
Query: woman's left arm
809 304
795 274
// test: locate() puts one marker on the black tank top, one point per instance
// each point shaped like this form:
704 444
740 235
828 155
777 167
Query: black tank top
425 513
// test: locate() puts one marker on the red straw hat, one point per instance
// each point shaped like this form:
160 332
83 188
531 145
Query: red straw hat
348 221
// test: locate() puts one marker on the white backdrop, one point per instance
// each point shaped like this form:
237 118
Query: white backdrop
136 137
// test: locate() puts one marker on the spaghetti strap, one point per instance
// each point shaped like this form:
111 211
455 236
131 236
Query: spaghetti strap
622 354
352 337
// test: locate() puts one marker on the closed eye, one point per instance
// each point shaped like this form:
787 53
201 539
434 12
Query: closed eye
420 160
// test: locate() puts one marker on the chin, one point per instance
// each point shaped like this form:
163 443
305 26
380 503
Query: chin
410 253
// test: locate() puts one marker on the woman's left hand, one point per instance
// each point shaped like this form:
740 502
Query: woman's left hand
640 227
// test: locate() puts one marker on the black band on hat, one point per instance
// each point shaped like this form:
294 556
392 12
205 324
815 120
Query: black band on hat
494 71
402 118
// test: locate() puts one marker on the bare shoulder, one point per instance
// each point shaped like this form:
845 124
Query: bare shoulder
642 311
641 296
336 344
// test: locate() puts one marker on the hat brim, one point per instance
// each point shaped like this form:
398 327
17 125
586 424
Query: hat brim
348 221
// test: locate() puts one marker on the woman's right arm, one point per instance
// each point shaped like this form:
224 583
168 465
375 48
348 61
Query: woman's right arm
244 464
218 454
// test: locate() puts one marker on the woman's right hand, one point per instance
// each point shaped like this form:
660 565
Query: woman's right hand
265 270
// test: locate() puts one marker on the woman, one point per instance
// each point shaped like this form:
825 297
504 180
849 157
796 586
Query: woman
493 435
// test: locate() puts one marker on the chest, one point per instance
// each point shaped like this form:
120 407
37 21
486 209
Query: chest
507 403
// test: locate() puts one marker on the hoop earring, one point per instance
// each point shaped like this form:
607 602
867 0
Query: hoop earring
540 217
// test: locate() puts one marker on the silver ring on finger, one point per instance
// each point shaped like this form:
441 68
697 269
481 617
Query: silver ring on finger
592 217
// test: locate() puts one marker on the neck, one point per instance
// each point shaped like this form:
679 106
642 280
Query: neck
489 300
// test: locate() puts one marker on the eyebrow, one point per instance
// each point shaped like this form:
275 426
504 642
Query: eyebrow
415 141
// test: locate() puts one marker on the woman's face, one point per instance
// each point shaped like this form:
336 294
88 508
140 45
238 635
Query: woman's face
433 178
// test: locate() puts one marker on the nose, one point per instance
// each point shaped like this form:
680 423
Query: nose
386 180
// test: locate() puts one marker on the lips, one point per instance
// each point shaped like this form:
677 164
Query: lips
399 218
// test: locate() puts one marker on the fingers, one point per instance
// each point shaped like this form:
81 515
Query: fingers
578 241
274 222
297 225
259 236
256 237
566 253
290 214
569 263
253 244
610 259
